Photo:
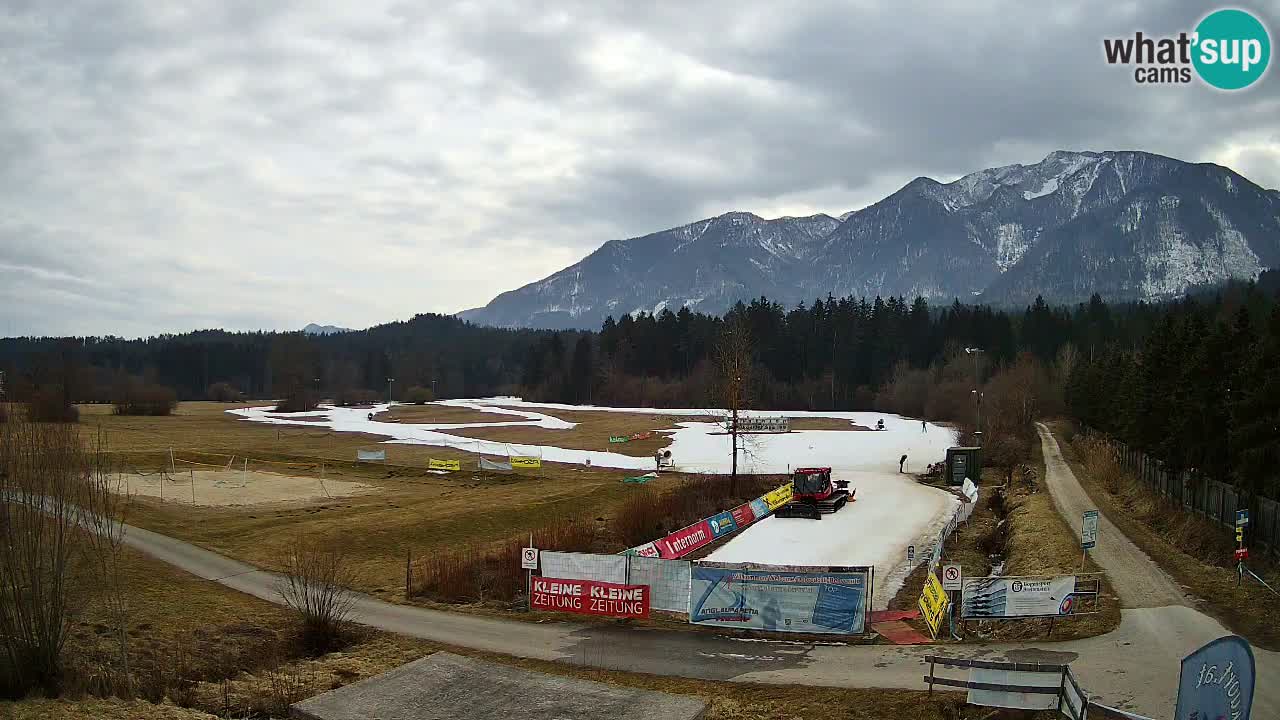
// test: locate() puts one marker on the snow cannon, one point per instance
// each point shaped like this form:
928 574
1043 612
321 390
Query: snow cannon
813 493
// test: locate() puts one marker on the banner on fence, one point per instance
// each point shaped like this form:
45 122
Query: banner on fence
722 524
645 435
933 603
619 439
759 508
434 464
779 497
492 465
371 455
525 461
1017 597
743 515
589 597
685 540
649 550
781 598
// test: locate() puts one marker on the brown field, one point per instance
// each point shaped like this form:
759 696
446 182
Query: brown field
817 423
233 487
441 414
594 427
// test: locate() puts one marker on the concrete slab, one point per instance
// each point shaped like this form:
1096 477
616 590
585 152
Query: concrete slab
443 686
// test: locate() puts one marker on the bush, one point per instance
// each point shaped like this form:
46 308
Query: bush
650 514
134 396
301 400
418 395
356 396
223 392
316 583
50 404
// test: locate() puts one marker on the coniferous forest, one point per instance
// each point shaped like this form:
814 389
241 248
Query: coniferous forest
1191 382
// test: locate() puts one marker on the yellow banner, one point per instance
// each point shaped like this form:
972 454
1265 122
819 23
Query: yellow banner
779 497
444 464
933 604
520 461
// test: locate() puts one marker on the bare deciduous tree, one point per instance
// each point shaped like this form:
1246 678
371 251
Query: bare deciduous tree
316 583
57 512
733 362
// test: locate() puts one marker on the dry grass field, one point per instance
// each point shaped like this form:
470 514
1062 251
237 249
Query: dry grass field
431 413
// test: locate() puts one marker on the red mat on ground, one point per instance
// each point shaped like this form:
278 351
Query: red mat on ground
900 633
879 616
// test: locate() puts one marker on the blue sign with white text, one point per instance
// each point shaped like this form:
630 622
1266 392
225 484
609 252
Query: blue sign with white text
722 524
1217 681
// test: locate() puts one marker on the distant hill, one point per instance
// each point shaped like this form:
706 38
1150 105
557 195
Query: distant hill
314 329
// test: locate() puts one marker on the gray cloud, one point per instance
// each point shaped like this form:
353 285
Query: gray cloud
246 165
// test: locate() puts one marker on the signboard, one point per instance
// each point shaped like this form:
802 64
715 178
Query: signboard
722 524
758 424
1089 530
619 438
1217 681
529 558
648 550
1242 518
778 497
590 597
743 515
434 464
686 540
1017 597
952 576
371 455
780 598
494 465
933 603
524 461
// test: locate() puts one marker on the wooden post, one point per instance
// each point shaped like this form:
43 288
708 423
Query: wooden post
193 487
930 674
408 573
172 468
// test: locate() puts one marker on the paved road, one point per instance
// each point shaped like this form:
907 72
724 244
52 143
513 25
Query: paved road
1135 667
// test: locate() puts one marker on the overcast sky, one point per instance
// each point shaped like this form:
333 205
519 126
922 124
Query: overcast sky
166 166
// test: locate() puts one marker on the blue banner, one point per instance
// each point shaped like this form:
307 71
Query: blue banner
722 524
781 600
760 508
1217 681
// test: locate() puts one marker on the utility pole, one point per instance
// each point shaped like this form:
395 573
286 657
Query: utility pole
434 396
389 381
977 394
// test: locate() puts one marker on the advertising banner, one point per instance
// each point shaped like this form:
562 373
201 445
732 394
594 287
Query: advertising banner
584 566
781 599
370 455
589 597
933 603
759 508
434 464
649 550
743 515
779 497
722 524
1017 597
686 540
524 461
1217 681
645 435
619 438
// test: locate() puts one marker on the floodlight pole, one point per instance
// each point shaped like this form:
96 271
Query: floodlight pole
389 382
977 393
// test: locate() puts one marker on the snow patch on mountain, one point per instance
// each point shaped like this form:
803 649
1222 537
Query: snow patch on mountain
1011 245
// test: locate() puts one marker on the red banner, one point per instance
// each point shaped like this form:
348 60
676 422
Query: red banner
743 515
589 597
682 542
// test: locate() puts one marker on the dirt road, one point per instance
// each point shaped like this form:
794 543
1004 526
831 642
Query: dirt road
1135 577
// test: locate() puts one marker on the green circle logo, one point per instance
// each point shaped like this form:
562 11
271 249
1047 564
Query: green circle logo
1232 49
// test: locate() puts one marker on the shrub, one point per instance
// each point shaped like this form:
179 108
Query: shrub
316 584
134 396
300 400
223 392
356 396
418 395
51 404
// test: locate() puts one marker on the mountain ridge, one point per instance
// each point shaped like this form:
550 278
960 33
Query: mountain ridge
1131 224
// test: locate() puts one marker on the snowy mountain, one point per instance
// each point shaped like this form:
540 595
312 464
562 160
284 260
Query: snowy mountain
1129 225
314 329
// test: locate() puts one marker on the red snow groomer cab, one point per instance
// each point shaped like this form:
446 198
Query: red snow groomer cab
814 493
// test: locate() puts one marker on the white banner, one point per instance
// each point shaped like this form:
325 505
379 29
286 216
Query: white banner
1017 700
490 465
370 455
668 582
585 566
1017 597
